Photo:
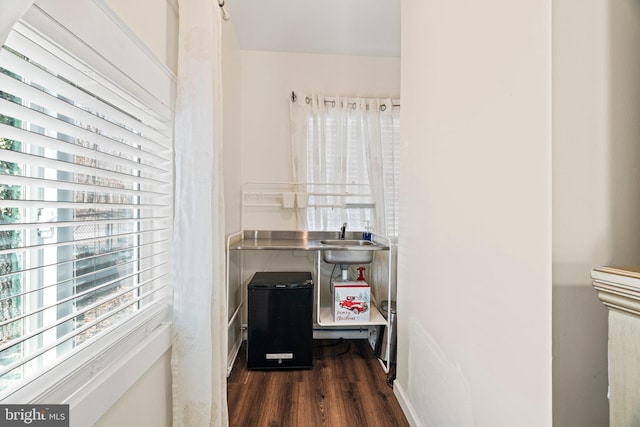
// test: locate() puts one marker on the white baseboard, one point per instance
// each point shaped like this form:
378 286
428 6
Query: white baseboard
233 354
406 405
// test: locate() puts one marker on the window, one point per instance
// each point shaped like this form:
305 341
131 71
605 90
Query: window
337 166
347 158
85 207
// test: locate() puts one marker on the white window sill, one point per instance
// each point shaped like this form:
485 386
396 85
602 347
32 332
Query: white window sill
96 398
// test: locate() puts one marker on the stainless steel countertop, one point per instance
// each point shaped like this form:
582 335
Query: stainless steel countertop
299 241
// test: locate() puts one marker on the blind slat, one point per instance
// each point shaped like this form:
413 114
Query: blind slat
78 295
53 124
157 247
46 142
54 59
86 188
75 333
45 79
70 205
89 222
44 162
83 241
52 102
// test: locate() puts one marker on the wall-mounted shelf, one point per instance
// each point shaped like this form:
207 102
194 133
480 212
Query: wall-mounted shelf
289 196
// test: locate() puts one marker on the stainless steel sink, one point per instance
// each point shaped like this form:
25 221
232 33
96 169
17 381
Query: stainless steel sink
347 251
347 242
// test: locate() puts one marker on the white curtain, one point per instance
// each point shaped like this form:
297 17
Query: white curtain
200 333
345 143
382 133
10 12
339 141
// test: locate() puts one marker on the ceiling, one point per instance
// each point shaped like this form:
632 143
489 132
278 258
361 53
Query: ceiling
349 27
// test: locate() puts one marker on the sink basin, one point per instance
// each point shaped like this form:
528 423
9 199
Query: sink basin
349 252
342 242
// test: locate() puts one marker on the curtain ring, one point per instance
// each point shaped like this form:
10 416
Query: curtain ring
383 107
307 100
294 97
333 103
353 106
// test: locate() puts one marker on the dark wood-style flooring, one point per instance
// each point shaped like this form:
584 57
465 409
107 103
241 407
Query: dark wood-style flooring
346 387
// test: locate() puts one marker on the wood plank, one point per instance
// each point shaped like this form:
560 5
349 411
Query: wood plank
345 387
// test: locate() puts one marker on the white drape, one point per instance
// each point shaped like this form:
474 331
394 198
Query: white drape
344 141
382 130
200 334
10 12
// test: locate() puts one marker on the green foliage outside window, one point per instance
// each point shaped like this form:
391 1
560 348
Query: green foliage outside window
10 284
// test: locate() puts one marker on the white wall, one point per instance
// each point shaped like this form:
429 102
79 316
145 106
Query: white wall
267 81
474 275
155 22
232 131
147 402
581 210
596 196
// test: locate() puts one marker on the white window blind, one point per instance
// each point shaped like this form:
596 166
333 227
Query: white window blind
85 207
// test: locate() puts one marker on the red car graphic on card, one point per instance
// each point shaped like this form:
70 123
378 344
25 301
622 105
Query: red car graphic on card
351 303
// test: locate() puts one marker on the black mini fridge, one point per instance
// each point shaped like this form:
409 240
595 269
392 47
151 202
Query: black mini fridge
280 321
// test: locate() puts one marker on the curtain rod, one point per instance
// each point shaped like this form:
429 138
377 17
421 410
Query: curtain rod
223 9
294 98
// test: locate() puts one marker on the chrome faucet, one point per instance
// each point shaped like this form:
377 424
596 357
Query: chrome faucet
343 229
